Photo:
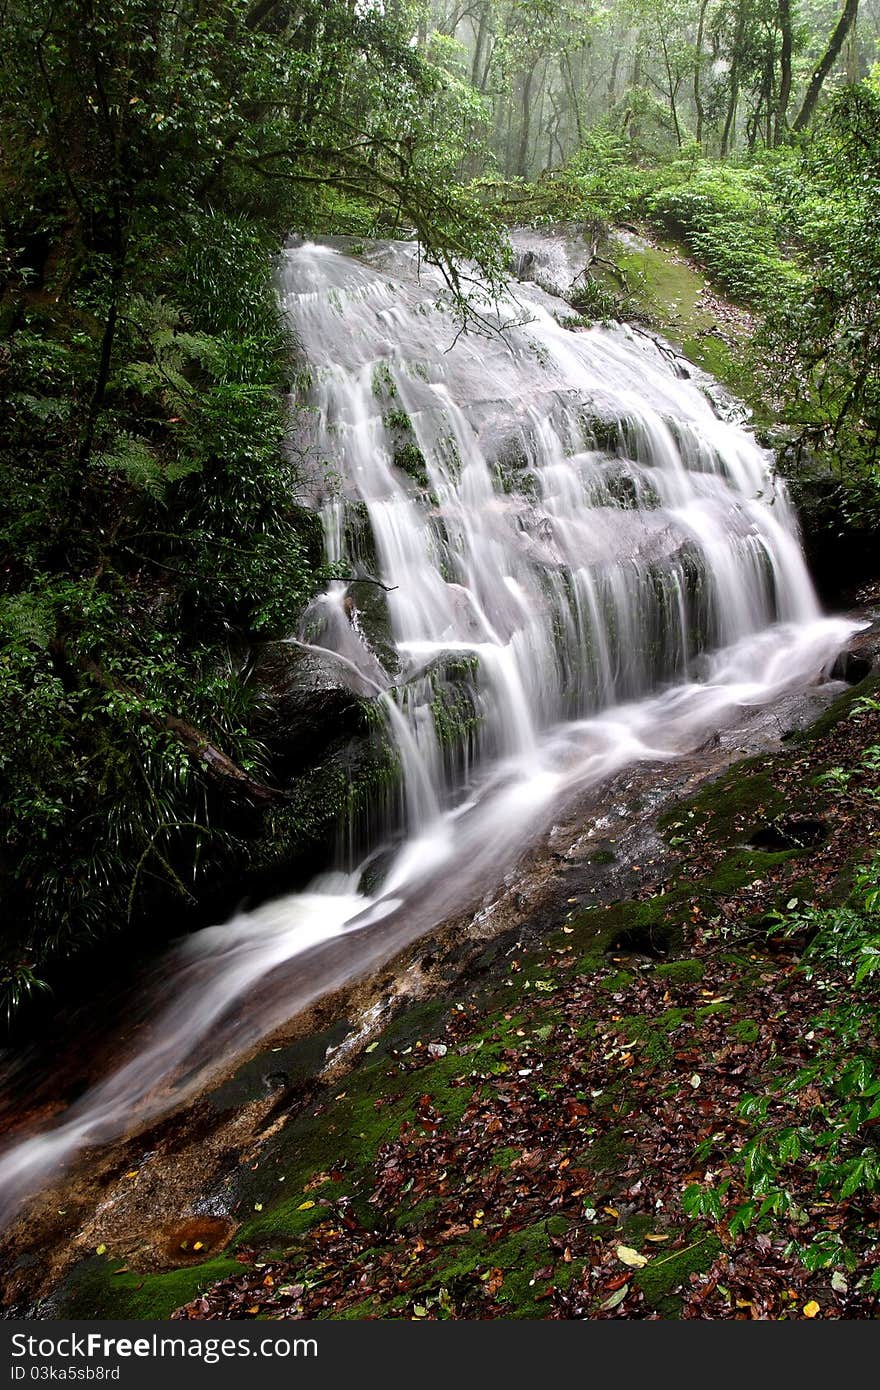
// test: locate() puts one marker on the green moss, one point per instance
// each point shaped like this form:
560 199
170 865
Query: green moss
457 718
664 1276
283 1222
368 1308
398 420
518 1256
606 1152
745 1030
383 382
681 972
707 1010
670 295
744 866
617 982
651 925
634 1227
505 1157
410 458
729 804
652 1036
839 710
414 1219
95 1290
603 856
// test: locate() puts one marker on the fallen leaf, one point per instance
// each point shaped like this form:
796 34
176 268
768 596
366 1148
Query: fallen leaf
628 1256
617 1297
811 1309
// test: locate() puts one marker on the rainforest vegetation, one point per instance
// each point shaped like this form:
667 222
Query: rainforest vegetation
154 156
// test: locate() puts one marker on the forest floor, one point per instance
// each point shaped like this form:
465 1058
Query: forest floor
518 1146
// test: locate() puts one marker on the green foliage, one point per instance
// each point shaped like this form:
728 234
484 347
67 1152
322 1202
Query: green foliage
824 342
153 157
724 215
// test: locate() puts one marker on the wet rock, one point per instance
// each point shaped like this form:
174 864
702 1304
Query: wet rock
851 667
308 705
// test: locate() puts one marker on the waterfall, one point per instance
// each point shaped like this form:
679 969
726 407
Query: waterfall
569 536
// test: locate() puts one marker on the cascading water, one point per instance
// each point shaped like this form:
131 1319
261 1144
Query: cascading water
573 548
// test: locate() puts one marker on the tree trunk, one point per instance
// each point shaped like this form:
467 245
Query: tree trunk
612 78
852 55
781 121
829 58
672 87
479 46
729 132
522 161
698 59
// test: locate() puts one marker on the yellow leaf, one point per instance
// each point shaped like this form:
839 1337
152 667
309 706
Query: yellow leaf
258 1206
611 1211
198 1245
811 1309
132 1174
304 1206
628 1256
653 1237
100 1250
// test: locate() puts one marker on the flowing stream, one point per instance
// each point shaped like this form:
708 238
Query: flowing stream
576 563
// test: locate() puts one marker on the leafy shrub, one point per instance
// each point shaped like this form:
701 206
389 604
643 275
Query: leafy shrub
724 213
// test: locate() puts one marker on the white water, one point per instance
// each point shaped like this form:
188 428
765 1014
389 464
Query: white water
590 605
